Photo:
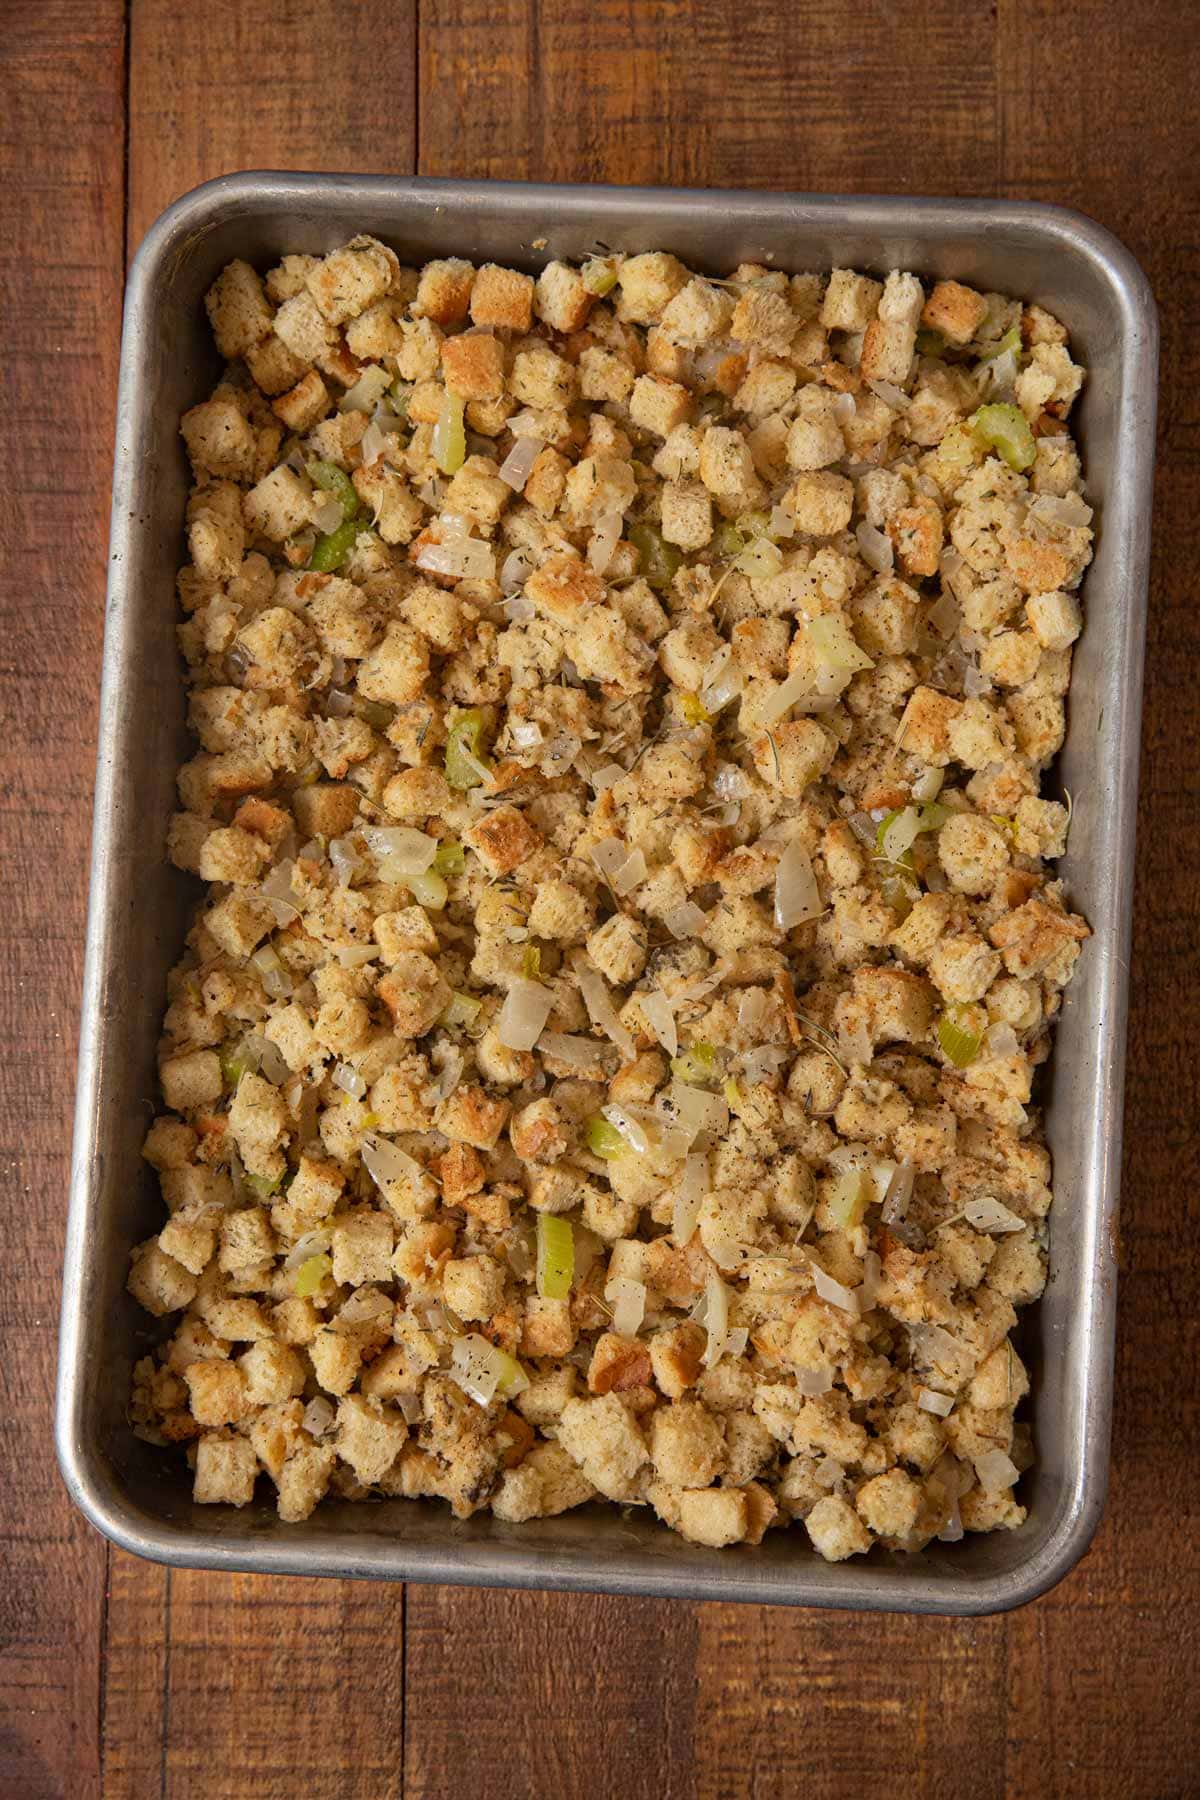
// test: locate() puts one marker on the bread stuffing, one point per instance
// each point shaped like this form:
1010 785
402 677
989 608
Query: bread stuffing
602 1065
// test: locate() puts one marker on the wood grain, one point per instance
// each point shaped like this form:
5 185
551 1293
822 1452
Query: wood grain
271 84
60 292
197 1686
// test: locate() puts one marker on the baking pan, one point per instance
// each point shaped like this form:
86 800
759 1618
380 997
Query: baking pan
140 1496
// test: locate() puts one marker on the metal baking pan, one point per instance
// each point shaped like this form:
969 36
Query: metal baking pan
139 1496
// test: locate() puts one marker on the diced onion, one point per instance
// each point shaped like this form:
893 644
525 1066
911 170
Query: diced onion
783 525
834 646
339 704
328 516
689 1197
346 861
628 1301
988 1214
318 1416
275 977
363 1305
789 693
797 897
996 1471
929 785
373 444
405 851
526 734
356 956
629 1127
890 394
899 1194
1070 510
868 1291
609 855
605 777
515 470
759 558
579 1052
276 890
716 1320
527 1006
899 835
482 1371
1001 1040
631 872
656 1010
697 1110
832 1290
349 1080
385 1163
813 1382
461 557
600 1008
930 1401
367 391
751 1008
875 548
604 540
685 921
313 1243
515 571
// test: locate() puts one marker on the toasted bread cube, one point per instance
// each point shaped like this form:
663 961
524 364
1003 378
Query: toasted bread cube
836 1529
698 313
502 297
561 299
604 375
370 1436
444 292
646 284
191 1080
272 1372
303 1480
764 319
220 440
954 310
336 1361
473 366
226 1470
820 502
349 280
687 1444
503 839
686 514
325 808
658 405
304 404
603 1439
850 302
158 1282
473 1286
713 1516
217 1392
540 378
237 309
280 504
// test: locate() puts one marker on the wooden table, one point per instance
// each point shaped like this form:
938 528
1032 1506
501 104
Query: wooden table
119 1679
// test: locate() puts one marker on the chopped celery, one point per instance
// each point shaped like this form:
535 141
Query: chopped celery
930 343
400 393
375 713
713 406
958 1041
603 1139
465 764
694 710
427 889
311 1274
335 481
263 1185
236 1061
1010 341
849 1199
732 1092
449 443
1006 429
760 557
696 1064
599 276
463 1009
331 550
729 540
755 524
531 963
450 858
659 560
555 1256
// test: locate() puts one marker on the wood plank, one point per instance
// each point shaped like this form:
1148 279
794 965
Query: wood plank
61 195
272 84
278 1688
223 1685
708 93
1094 1710
547 1696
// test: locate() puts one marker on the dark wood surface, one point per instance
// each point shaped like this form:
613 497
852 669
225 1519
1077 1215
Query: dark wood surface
119 1679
